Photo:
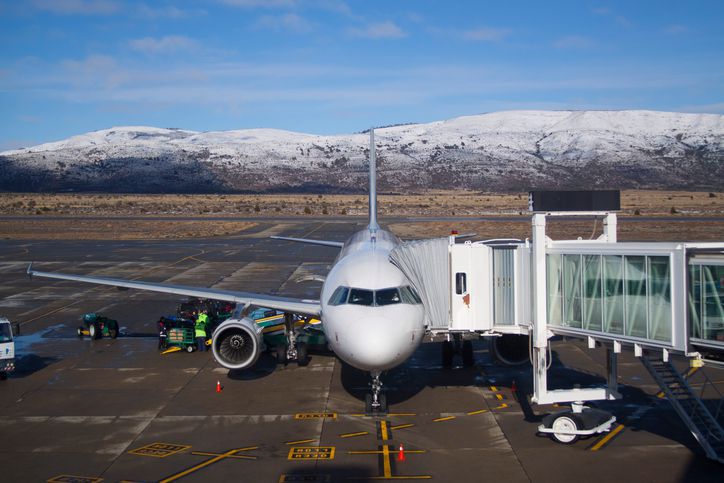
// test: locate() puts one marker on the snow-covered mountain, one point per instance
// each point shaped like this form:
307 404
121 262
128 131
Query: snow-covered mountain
514 150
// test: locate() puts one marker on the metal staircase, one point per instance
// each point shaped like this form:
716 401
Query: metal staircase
689 405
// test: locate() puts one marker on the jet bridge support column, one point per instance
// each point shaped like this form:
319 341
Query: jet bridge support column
539 328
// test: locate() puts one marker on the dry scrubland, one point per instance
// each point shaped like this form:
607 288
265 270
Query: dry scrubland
44 216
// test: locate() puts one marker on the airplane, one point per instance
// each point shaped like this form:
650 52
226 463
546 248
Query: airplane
372 316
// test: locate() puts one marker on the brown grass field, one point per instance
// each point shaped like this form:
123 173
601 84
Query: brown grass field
46 216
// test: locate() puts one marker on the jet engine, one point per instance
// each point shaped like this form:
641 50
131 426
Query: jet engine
511 350
237 343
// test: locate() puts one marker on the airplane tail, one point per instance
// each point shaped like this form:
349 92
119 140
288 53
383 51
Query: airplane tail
373 226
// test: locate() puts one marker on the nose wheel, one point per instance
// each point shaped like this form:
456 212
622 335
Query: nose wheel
375 400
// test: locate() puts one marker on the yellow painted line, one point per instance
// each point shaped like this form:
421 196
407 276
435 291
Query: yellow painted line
315 416
237 456
402 426
352 435
201 465
479 411
387 470
494 388
416 451
448 418
499 396
358 415
401 414
416 477
172 349
607 438
501 406
311 453
301 441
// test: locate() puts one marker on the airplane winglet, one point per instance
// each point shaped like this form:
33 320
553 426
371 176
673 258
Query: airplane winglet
29 271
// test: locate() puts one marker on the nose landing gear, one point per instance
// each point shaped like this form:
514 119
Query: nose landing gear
375 400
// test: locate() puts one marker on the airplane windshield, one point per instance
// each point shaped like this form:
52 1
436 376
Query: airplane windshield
6 334
376 298
358 296
387 296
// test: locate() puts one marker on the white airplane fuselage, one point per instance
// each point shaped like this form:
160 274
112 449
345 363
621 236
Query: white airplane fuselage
374 334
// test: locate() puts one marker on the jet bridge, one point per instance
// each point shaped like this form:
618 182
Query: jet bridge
656 299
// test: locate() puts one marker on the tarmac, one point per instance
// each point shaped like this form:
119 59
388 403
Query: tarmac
118 410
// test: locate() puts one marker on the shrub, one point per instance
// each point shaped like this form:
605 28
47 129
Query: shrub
307 210
673 210
637 212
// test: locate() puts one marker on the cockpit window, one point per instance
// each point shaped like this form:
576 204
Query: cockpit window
387 296
359 296
339 296
409 296
376 298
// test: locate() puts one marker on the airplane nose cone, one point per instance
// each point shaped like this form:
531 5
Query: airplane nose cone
380 344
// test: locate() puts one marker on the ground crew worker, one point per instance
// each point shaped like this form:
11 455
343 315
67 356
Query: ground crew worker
200 331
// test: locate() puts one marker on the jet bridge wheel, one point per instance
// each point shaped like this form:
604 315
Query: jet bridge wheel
564 424
94 331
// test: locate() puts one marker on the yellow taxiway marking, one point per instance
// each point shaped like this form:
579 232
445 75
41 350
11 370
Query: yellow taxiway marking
417 451
159 450
315 416
607 438
387 469
479 411
418 477
237 456
352 435
301 441
311 453
494 388
172 349
402 426
499 396
205 464
448 418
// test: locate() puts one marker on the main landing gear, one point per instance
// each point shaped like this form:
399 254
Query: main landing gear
293 349
375 400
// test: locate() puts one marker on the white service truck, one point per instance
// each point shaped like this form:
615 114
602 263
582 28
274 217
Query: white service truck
7 349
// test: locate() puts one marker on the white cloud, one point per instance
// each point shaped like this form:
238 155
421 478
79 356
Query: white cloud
676 29
163 45
168 11
84 7
285 23
486 34
573 42
260 3
383 30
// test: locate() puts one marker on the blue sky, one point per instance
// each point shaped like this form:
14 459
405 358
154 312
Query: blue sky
332 66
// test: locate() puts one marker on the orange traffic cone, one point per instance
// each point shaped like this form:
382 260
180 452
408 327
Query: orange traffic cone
401 453
218 386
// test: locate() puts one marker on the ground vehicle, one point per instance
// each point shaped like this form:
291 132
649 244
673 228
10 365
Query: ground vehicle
7 349
176 332
96 326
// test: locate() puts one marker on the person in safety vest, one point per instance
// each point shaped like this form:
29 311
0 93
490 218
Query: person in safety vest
200 331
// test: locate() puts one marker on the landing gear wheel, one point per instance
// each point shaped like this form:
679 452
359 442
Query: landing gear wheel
368 403
190 348
448 351
94 332
382 398
468 356
281 354
564 424
80 332
302 357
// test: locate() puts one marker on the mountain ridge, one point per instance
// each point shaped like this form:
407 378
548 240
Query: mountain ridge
501 151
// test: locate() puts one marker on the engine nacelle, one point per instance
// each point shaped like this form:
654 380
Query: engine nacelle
237 343
511 350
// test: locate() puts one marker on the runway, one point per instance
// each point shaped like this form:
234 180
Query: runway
117 410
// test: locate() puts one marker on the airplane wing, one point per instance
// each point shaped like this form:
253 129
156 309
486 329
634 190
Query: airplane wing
311 242
296 306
